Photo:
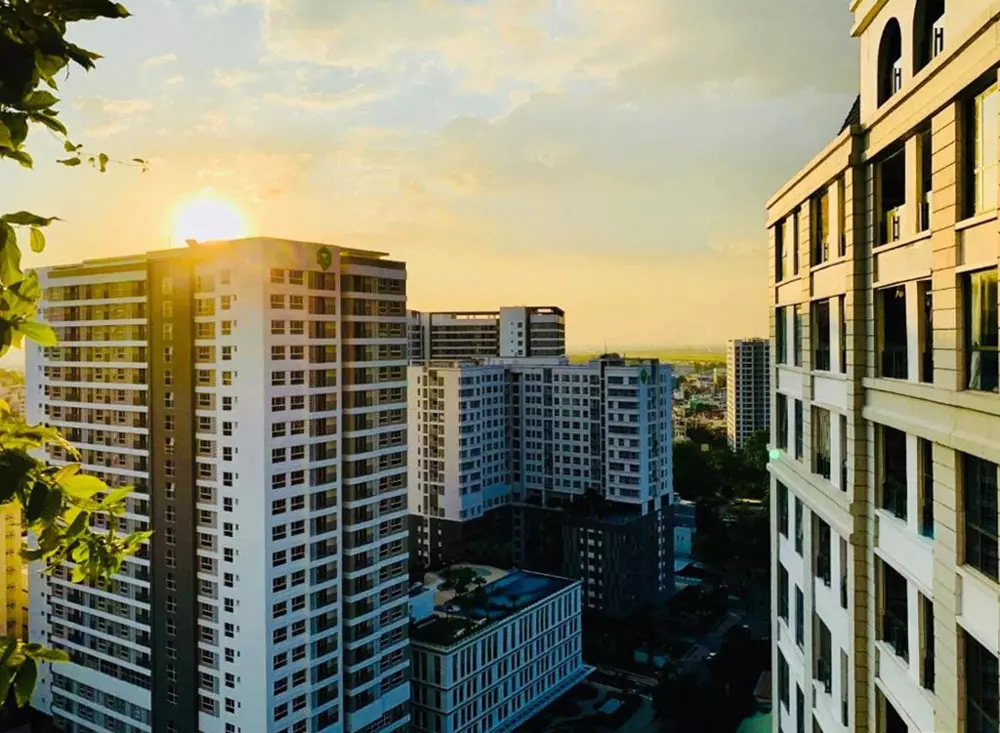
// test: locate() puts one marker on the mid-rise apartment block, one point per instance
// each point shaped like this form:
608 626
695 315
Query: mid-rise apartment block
510 332
254 394
566 468
884 253
748 389
498 655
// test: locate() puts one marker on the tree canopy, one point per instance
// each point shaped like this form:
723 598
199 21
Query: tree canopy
59 503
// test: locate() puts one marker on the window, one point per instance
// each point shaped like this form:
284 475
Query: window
821 335
277 275
277 301
799 431
168 331
821 441
226 302
227 353
297 328
892 196
797 335
783 680
799 537
781 420
926 488
782 592
793 237
979 499
980 305
227 328
928 32
924 151
890 62
821 228
295 277
982 711
842 315
277 327
925 296
926 642
893 460
779 251
891 332
895 618
781 335
277 353
296 302
843 452
782 509
981 152
800 617
823 547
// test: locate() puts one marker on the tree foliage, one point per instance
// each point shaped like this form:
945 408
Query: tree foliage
59 503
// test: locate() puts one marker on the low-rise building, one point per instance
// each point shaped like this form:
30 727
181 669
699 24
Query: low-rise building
491 658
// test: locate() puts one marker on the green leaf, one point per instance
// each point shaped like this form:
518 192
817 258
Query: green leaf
5 139
37 240
82 486
41 333
37 501
70 147
117 496
102 161
10 256
36 101
26 218
18 125
82 56
71 469
48 66
20 156
6 675
50 122
70 162
24 683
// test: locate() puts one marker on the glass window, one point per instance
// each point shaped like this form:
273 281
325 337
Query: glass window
979 494
980 305
797 335
821 228
982 677
982 153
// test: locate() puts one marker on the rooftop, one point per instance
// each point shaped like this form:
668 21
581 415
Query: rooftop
499 595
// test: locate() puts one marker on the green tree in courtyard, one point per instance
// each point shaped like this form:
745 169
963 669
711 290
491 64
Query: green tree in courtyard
58 503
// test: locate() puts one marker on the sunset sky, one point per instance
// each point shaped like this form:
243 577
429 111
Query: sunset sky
612 157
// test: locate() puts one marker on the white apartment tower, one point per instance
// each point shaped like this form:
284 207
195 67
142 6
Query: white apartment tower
254 393
578 454
510 332
886 417
748 389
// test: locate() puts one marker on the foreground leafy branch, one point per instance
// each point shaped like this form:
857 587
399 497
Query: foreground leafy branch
60 505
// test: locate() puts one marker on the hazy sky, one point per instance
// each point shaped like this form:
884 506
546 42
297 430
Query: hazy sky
612 157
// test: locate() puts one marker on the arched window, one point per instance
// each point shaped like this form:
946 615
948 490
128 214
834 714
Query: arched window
890 62
928 32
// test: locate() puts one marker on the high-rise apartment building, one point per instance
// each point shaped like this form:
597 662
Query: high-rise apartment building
748 389
565 467
511 332
884 253
254 393
14 588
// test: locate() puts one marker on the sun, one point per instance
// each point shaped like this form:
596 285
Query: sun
207 217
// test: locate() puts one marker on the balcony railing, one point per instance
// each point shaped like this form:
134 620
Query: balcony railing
894 362
896 635
821 358
894 496
825 675
892 221
822 461
823 569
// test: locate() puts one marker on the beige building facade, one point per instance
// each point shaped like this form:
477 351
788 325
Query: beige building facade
884 252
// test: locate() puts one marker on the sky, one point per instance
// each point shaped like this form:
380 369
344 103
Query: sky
612 157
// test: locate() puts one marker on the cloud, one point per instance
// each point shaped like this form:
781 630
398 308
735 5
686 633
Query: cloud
232 78
212 121
355 97
256 175
173 81
654 46
166 58
107 117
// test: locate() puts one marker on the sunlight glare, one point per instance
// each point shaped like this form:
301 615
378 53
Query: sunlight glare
206 217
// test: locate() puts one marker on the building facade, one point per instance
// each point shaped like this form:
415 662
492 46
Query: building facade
884 253
748 389
491 668
566 468
254 394
510 332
